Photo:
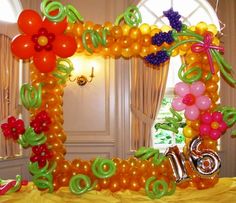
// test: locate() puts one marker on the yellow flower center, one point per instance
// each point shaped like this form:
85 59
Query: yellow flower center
214 125
42 40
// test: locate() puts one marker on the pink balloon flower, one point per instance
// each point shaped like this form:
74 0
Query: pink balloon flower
191 99
212 125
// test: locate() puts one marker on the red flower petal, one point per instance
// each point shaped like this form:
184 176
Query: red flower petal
29 21
45 61
34 158
36 150
55 27
11 120
64 46
23 47
42 162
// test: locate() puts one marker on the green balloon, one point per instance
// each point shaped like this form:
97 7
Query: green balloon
98 168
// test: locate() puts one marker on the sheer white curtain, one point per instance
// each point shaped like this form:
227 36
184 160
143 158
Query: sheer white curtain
147 91
9 94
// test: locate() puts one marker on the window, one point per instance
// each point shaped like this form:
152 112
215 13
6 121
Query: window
193 12
9 10
161 138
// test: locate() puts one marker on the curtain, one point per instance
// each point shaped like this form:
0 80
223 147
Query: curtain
9 94
147 91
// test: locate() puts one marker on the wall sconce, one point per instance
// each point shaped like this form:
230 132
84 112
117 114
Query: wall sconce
82 80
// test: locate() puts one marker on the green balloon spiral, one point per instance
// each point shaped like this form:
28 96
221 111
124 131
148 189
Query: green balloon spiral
184 75
145 153
64 68
173 122
98 168
42 177
75 186
156 192
30 96
95 37
30 138
132 17
68 11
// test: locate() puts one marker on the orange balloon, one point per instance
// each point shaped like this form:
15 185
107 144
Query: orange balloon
135 33
134 184
135 48
104 183
114 185
80 47
124 167
70 29
78 29
62 136
108 26
88 25
64 179
211 87
116 32
125 41
86 167
124 180
144 51
97 27
116 50
58 157
109 40
145 40
127 52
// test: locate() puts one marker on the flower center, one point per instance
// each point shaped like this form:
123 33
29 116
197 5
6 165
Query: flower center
214 125
14 129
189 99
43 153
42 40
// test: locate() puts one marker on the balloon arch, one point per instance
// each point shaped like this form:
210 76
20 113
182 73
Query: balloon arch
51 40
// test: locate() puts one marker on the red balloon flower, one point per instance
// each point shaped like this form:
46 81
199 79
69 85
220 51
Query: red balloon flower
43 40
41 122
13 128
41 155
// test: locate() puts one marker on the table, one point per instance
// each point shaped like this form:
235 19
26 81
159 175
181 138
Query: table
223 192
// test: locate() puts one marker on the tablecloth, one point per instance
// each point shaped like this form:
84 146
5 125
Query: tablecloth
224 191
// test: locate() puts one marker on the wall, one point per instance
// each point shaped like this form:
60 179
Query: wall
228 94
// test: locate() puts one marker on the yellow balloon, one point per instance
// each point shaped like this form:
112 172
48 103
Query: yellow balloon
42 40
201 27
212 28
125 29
189 132
145 28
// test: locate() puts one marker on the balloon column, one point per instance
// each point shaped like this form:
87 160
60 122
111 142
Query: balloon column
48 42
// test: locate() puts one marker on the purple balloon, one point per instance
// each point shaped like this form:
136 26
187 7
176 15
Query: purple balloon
191 112
203 102
177 104
182 89
197 88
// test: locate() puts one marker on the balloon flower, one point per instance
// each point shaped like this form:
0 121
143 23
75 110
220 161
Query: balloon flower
191 99
41 122
43 40
212 125
41 155
13 128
